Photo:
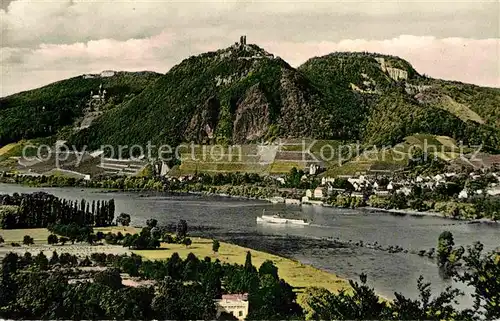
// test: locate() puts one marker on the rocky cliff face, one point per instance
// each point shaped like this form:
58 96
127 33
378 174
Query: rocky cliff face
251 118
395 73
205 120
297 114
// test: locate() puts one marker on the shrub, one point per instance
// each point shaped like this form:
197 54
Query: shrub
215 246
52 239
28 240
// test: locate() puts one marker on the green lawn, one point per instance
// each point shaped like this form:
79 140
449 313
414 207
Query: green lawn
5 149
297 274
40 235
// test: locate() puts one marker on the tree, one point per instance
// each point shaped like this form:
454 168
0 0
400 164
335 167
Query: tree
441 307
1 240
274 300
156 233
215 246
110 238
187 241
28 240
41 261
445 247
91 238
227 316
167 238
86 262
362 304
119 236
268 268
311 300
54 259
99 235
123 219
151 223
181 229
248 262
110 278
153 243
481 272
63 240
52 239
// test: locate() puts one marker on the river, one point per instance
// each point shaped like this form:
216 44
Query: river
235 220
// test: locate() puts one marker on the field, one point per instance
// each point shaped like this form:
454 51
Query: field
7 148
395 158
297 274
460 110
277 158
40 234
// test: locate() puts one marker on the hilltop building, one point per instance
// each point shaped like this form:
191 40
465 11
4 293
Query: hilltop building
107 73
96 101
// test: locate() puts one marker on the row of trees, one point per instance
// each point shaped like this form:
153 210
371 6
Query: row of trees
33 289
38 210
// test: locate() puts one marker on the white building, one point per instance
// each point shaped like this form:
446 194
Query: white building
235 304
318 192
494 191
463 194
439 178
405 190
313 169
107 73
326 180
309 193
359 182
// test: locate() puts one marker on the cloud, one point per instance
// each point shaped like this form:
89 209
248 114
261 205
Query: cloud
467 60
462 59
48 40
28 23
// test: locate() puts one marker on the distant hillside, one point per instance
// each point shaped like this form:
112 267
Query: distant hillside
399 102
240 94
44 111
243 94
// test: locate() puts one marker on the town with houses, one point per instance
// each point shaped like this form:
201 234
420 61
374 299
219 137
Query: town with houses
382 185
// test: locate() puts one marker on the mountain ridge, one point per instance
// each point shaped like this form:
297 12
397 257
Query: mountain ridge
243 94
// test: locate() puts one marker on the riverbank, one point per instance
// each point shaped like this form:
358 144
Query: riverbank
426 213
268 193
297 274
402 212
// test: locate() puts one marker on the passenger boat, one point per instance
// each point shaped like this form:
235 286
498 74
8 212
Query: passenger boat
278 219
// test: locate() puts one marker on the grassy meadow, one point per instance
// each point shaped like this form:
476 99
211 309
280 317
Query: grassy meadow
297 274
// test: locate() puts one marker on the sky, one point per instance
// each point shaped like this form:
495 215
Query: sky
44 41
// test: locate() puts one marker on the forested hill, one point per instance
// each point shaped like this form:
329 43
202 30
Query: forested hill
398 101
235 95
45 111
242 94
